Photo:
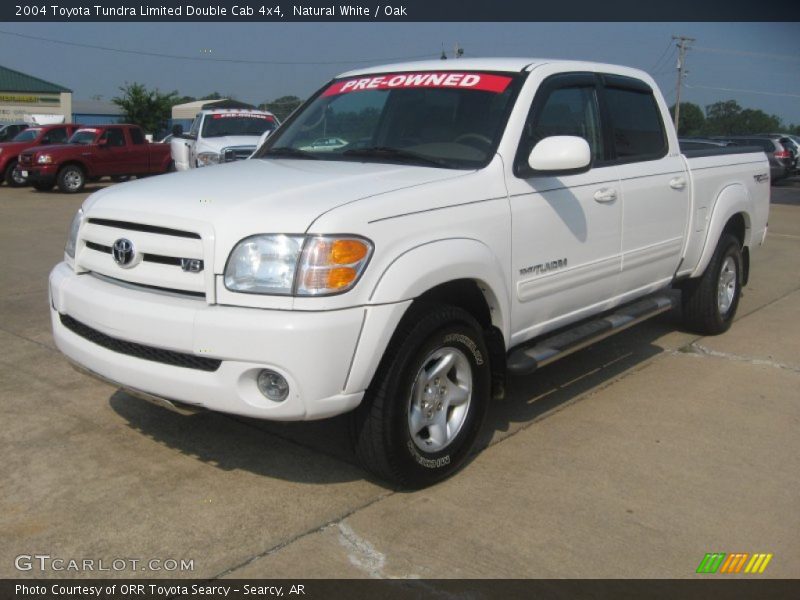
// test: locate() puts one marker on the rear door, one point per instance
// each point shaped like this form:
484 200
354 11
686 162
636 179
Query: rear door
654 184
565 228
112 155
139 157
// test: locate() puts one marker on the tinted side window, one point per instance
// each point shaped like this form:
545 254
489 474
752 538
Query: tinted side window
115 137
566 111
57 136
638 132
137 137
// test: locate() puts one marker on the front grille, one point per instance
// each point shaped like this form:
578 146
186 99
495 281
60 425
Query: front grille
237 153
167 259
156 258
167 357
25 159
145 228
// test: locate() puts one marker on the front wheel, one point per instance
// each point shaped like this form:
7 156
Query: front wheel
710 302
423 411
13 177
71 179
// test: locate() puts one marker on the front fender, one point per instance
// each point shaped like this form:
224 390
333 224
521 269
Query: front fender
732 200
413 273
423 267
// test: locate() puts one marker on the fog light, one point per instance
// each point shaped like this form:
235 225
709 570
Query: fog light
273 385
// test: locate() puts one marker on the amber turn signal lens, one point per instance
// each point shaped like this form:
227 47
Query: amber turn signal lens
347 252
333 278
341 277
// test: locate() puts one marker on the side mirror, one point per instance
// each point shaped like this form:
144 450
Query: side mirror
177 130
560 154
102 142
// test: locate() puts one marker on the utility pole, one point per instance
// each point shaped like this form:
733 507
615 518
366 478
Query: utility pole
682 48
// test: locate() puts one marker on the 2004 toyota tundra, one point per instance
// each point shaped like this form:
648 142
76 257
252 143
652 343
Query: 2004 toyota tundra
479 217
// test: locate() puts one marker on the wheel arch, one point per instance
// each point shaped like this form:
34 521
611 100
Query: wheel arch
457 272
730 214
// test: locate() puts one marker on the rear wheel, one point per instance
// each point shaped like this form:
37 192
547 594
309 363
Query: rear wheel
12 177
422 413
710 302
71 179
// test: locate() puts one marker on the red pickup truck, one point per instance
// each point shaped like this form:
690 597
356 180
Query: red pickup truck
92 152
44 135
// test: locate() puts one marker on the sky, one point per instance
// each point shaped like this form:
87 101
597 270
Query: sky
756 64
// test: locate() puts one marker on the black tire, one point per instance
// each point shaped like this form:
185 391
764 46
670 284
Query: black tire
71 179
705 310
41 186
9 177
382 433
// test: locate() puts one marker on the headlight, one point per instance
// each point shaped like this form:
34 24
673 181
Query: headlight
72 240
204 159
263 264
44 159
303 266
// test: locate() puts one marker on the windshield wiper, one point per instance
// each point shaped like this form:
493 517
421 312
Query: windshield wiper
289 151
390 153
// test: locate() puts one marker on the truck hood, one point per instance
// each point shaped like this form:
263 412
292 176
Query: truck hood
231 201
57 149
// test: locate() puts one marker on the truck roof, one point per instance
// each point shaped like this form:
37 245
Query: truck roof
216 111
511 65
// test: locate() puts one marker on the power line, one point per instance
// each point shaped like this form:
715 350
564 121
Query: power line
745 53
207 59
663 54
723 89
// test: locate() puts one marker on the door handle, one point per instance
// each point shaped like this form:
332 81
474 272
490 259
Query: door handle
605 195
677 183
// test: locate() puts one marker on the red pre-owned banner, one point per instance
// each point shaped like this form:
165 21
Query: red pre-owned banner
484 82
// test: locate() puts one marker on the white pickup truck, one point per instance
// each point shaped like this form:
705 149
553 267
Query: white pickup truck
220 135
475 218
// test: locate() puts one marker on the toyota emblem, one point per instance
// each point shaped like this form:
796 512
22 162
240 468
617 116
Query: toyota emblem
123 252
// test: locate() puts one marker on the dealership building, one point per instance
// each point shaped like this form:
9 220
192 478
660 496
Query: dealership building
22 94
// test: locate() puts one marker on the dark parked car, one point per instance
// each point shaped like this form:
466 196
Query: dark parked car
781 154
10 130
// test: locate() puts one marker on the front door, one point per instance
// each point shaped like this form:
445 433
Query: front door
566 229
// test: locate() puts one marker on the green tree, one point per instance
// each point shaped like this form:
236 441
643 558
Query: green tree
281 107
728 118
692 119
757 121
149 109
722 118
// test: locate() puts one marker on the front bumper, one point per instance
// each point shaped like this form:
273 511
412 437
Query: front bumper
314 351
40 173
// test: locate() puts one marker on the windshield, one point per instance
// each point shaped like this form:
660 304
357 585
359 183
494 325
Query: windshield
83 136
441 119
237 124
28 135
